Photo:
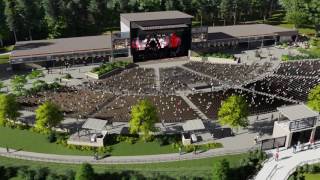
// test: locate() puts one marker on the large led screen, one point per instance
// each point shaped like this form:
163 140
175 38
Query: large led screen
159 44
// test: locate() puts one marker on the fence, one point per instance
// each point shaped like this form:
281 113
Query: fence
118 160
313 161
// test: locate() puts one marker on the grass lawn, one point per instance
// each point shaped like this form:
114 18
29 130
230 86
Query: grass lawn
35 142
195 168
312 176
31 141
307 30
4 59
6 49
141 148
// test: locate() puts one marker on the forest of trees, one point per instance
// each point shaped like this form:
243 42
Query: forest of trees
38 19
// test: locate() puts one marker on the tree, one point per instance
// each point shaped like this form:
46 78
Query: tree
234 112
18 83
225 8
85 172
313 8
48 115
221 170
143 117
4 28
12 16
1 85
314 98
295 11
29 11
9 108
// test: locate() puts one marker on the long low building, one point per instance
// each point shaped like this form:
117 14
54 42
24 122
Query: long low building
144 36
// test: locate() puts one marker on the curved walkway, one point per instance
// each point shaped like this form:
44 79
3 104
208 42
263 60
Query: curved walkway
71 159
288 161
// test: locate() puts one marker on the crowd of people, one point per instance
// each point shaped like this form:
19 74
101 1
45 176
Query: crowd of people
129 81
170 108
300 68
77 103
295 88
209 103
176 78
232 74
112 98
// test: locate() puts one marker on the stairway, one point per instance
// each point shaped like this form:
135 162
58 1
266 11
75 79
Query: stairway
194 107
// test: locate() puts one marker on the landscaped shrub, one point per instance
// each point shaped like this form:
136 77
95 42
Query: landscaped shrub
52 137
108 67
218 55
189 148
67 76
167 139
35 74
128 139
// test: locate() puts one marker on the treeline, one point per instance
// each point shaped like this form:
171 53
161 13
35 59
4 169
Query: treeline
37 19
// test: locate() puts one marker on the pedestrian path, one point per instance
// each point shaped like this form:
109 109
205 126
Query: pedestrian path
286 164
72 159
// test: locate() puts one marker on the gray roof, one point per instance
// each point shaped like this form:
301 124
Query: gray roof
95 124
237 31
159 15
296 112
193 125
61 46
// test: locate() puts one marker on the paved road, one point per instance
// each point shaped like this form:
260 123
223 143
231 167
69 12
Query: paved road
279 170
70 159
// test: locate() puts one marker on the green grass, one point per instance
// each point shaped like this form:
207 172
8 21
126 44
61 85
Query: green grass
307 30
312 176
6 49
140 148
27 140
195 168
30 141
4 59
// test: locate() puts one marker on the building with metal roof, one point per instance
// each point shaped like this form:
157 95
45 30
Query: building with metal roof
297 123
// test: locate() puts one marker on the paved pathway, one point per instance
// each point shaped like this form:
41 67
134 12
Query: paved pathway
288 161
70 159
194 107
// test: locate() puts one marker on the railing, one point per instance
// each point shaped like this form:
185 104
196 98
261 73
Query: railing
73 160
313 161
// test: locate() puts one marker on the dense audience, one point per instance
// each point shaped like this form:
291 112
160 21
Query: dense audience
209 103
113 97
74 102
232 74
300 68
170 108
177 78
129 81
296 88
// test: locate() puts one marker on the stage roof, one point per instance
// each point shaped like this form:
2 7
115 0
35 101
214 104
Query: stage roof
159 15
193 125
95 124
296 112
242 31
24 49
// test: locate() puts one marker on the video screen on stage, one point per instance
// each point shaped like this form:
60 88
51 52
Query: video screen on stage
159 44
